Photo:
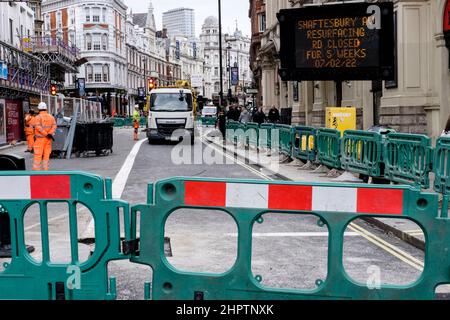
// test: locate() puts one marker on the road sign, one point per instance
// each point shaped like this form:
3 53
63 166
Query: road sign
251 91
338 42
197 80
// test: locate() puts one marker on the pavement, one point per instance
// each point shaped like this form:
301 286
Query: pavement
288 251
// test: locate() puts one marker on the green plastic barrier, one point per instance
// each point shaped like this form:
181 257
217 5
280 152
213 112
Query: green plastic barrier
26 278
265 135
240 134
119 122
231 127
286 134
209 121
143 122
304 144
240 283
128 122
441 166
252 133
329 147
408 159
362 152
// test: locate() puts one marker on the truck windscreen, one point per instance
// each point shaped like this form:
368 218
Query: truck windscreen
171 102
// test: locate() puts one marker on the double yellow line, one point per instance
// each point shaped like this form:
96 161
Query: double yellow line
377 241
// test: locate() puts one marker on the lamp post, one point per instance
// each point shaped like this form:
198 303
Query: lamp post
220 54
229 71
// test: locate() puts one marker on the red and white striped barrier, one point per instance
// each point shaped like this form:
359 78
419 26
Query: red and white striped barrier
295 198
51 187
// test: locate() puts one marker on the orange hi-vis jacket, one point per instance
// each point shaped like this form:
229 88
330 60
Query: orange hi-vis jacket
29 125
44 125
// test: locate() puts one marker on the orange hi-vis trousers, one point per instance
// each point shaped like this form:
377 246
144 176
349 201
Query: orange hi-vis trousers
42 151
30 141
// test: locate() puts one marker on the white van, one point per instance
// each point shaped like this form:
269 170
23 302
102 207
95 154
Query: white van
171 115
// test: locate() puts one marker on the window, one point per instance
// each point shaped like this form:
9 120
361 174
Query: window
88 42
11 31
97 43
88 14
104 15
89 73
262 22
105 42
216 71
216 87
105 73
59 19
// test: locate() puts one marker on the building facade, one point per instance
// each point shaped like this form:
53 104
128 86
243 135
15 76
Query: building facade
99 30
180 22
257 15
417 102
23 76
235 53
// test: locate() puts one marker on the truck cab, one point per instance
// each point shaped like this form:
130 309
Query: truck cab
171 115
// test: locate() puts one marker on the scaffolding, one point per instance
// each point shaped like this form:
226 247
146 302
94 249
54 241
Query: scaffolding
62 56
27 74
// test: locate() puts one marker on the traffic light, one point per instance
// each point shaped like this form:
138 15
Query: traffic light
151 84
53 90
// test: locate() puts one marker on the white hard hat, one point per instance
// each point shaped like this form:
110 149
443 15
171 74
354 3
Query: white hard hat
42 106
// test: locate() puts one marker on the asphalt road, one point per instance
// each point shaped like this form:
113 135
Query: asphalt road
289 251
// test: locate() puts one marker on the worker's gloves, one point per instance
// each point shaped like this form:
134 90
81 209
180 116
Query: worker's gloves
50 137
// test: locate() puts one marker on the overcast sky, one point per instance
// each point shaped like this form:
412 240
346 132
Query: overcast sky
231 10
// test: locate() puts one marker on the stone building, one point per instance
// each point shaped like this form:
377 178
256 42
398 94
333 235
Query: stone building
235 52
417 102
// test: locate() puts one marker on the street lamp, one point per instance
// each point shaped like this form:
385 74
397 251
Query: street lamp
229 47
220 54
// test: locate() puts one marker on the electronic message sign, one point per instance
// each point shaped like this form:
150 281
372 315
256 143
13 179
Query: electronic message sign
337 42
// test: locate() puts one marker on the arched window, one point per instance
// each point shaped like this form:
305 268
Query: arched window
105 73
88 44
89 73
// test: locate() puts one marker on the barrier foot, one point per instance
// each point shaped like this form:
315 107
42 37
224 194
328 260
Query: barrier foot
321 169
334 174
296 163
285 159
308 166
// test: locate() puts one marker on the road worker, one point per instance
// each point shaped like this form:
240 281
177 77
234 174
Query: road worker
45 128
136 120
29 130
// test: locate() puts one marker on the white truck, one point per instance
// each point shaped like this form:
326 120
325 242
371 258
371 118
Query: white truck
171 115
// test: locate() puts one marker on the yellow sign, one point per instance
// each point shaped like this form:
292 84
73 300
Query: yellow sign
26 45
341 119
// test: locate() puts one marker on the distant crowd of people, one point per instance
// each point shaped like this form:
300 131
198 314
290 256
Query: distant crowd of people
243 115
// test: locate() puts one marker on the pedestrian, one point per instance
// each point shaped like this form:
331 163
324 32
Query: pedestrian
29 129
259 117
245 116
45 128
230 113
221 122
238 113
136 124
274 115
446 132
